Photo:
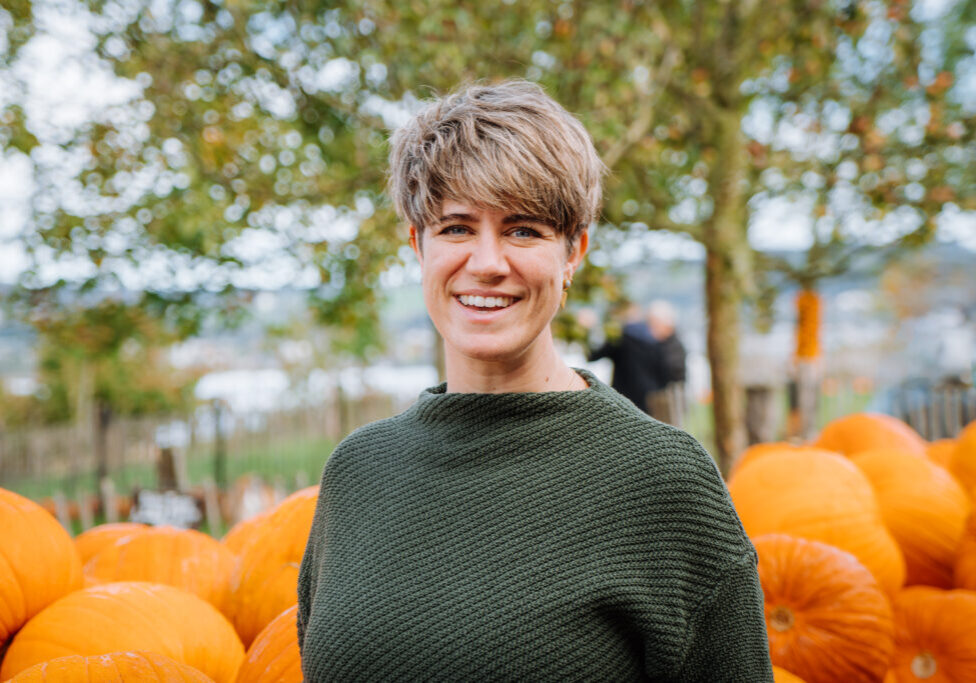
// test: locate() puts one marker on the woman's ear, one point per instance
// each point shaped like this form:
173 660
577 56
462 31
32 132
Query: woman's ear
578 251
415 243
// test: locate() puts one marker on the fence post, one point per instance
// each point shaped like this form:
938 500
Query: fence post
343 406
211 508
61 511
85 512
761 414
166 469
103 416
807 396
109 500
220 446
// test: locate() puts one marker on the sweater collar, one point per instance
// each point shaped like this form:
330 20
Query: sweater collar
471 410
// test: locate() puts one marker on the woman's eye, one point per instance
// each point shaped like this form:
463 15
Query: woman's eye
525 232
454 230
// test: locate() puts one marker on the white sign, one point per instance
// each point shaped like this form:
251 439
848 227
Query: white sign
166 508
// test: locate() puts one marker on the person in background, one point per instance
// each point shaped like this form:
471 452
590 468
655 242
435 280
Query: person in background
660 321
638 363
522 521
667 402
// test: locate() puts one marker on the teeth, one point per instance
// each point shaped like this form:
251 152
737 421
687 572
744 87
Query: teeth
486 301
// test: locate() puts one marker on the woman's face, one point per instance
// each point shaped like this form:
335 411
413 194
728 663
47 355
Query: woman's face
493 281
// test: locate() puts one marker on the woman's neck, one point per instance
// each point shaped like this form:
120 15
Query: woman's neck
539 369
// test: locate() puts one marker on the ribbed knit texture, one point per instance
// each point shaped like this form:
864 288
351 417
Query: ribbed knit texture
560 536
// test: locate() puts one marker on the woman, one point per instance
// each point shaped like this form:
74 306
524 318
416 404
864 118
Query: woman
522 521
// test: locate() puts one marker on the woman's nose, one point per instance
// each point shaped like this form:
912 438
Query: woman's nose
487 260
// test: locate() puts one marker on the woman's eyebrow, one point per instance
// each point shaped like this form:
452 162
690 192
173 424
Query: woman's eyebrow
524 218
513 218
457 217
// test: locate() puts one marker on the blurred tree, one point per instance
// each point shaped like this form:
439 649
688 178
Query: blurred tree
264 122
129 377
104 360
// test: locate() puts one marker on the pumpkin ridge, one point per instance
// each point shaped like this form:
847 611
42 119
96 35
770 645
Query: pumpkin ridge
7 608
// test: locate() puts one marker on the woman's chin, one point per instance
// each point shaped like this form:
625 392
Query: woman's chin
487 351
489 355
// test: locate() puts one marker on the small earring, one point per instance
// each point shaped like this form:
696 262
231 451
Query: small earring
566 285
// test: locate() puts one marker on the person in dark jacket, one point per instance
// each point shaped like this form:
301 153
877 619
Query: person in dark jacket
638 363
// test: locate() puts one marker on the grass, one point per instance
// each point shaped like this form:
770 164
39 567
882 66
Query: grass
285 460
698 418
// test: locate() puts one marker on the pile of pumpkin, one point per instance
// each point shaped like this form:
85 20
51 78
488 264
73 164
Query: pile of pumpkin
867 557
136 603
867 552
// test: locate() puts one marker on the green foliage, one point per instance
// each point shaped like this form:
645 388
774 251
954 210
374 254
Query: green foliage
256 116
110 353
240 123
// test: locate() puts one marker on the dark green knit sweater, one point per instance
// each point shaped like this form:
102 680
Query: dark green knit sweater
560 536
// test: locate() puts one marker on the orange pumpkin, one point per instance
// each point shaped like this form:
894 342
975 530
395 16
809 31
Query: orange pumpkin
116 617
183 558
38 561
940 452
115 667
964 572
935 636
924 508
784 676
963 463
274 655
265 582
826 616
90 542
761 450
239 535
821 496
860 432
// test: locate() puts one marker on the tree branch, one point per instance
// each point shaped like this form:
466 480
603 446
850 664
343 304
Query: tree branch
696 103
638 128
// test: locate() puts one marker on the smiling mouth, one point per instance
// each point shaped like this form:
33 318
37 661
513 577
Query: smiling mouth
486 303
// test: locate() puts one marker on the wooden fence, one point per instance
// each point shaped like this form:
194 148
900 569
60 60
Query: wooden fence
38 461
937 410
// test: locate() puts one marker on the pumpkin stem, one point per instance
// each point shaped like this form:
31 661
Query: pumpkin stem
781 619
923 665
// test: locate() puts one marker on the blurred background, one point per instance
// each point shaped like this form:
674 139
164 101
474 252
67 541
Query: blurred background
203 286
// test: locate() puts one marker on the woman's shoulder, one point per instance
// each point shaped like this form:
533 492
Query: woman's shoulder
658 457
363 443
628 434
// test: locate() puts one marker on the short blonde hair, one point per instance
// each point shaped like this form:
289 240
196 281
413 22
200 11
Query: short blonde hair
507 146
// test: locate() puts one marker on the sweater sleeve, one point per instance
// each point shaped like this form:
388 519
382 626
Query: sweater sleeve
308 572
726 639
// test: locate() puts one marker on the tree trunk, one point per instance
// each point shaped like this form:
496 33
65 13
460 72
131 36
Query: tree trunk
103 417
220 446
727 266
808 370
808 376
